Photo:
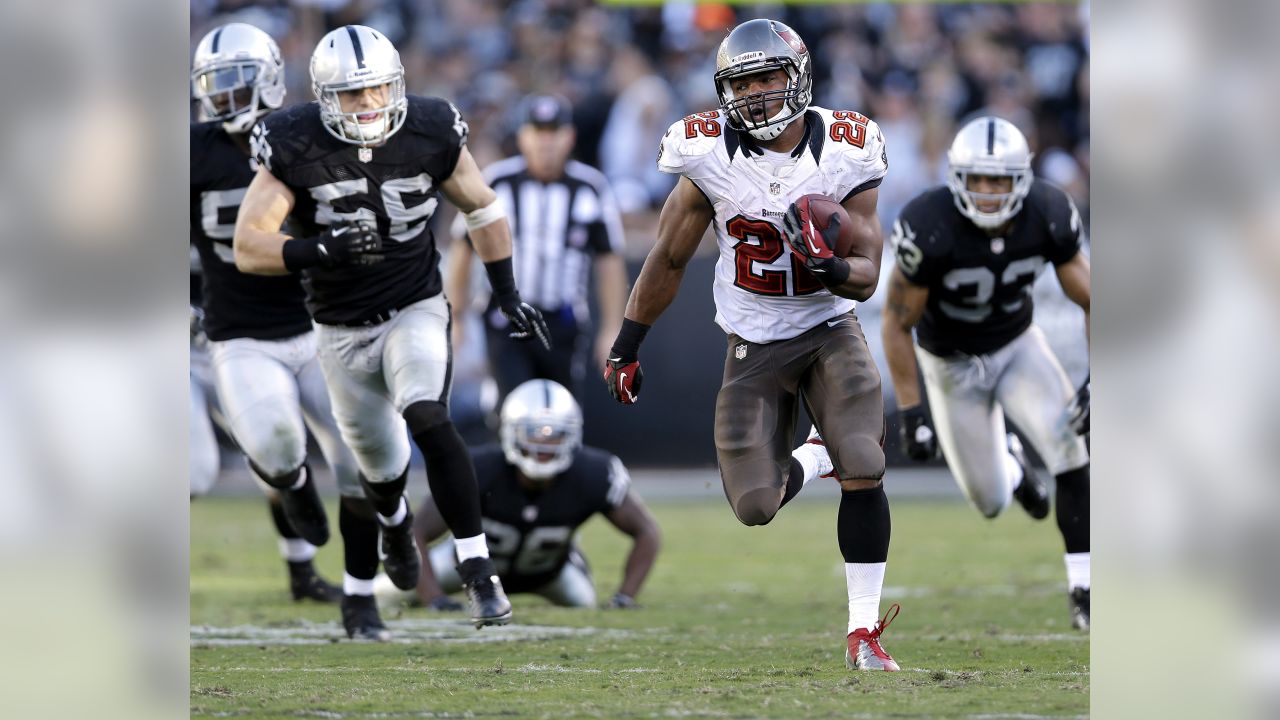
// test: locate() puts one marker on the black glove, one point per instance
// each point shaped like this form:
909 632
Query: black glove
918 439
816 252
621 601
346 242
1078 410
622 371
350 242
444 603
526 321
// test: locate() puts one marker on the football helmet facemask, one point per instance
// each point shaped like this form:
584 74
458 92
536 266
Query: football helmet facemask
237 75
756 46
541 429
995 147
354 57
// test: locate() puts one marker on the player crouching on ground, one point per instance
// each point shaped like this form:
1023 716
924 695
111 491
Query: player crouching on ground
536 489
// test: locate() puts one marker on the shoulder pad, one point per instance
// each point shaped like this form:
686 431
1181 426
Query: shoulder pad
919 233
690 139
854 147
436 118
283 136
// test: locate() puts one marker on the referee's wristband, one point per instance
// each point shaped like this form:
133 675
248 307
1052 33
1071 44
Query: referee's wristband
502 279
626 347
301 253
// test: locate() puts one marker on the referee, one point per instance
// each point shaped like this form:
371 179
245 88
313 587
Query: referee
564 223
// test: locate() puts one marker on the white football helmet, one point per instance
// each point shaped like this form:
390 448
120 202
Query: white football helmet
541 428
756 46
989 146
350 58
237 74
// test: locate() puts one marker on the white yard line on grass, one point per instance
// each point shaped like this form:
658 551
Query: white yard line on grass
402 631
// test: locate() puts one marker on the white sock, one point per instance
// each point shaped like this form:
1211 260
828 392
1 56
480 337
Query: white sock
804 456
356 586
1013 470
296 549
302 479
398 518
864 580
1077 570
472 547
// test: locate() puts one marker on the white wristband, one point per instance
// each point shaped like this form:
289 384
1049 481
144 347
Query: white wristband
480 217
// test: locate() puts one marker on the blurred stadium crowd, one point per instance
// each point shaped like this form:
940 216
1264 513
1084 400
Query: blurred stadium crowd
918 70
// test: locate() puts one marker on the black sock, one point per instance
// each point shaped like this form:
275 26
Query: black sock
862 525
283 527
452 478
1072 500
385 496
795 481
359 538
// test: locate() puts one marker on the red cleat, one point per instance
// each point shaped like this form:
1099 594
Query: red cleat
864 651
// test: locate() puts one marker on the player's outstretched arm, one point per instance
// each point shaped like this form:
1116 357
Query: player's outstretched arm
681 225
1074 277
634 519
903 308
491 238
868 247
258 242
428 526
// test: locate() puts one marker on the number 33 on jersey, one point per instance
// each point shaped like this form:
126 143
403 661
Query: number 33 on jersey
762 293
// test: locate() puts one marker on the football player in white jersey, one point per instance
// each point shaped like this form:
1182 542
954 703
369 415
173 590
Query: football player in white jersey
783 298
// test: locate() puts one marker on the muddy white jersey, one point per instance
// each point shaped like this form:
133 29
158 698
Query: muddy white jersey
762 291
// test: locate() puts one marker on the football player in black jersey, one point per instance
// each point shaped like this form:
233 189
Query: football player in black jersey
260 342
536 488
359 171
967 255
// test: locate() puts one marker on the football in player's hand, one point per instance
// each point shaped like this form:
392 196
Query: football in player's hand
816 211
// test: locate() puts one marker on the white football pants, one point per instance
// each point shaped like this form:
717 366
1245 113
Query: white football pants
272 392
968 398
571 588
374 373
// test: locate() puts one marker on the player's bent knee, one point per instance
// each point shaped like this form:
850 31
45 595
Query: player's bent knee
425 415
758 507
862 459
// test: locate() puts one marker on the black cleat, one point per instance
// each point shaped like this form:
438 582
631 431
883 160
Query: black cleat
305 584
360 618
1031 494
400 553
1078 600
305 512
489 604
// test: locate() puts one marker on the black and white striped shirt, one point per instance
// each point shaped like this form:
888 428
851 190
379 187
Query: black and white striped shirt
557 229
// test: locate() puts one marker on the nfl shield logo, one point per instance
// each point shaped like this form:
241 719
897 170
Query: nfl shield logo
740 351
365 154
530 513
997 245
775 188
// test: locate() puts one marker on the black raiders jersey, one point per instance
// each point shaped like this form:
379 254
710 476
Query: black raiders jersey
979 285
394 185
235 304
530 533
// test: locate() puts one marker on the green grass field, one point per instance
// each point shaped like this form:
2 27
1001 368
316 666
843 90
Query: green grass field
736 622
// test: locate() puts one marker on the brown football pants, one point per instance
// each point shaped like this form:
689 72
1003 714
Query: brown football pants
830 369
